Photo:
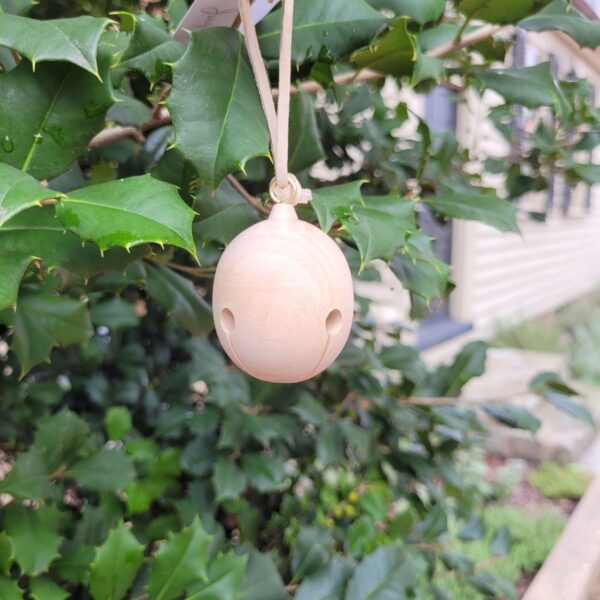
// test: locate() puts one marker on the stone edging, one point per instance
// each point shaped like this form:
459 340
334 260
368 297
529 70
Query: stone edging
572 570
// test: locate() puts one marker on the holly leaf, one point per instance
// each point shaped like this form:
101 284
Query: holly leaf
72 40
385 574
151 49
513 416
224 225
43 588
34 534
37 234
502 12
29 477
19 191
309 551
225 575
265 473
424 11
393 54
105 471
333 202
562 16
7 553
263 581
225 138
60 438
177 295
380 227
229 480
305 139
484 208
180 561
530 86
49 116
328 583
146 210
9 590
327 30
43 322
419 270
17 7
116 564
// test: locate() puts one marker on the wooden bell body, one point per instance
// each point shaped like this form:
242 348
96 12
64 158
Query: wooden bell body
283 300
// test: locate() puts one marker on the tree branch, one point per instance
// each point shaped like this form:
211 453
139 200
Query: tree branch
162 117
252 200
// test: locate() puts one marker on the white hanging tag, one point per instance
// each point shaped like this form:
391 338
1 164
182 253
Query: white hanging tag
218 13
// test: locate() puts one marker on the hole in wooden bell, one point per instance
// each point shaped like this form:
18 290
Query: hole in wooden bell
333 322
227 320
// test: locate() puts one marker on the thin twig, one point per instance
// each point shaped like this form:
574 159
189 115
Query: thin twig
115 134
252 200
200 272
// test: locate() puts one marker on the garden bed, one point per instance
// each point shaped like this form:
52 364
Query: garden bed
532 505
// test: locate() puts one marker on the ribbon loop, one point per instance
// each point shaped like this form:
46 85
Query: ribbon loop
285 187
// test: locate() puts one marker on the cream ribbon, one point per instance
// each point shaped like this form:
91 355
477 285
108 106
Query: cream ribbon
285 187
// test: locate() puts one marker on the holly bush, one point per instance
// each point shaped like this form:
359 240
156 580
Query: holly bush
138 462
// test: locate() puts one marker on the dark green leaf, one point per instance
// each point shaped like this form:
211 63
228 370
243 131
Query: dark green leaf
105 471
115 313
513 416
562 16
116 565
224 139
7 554
330 203
117 422
424 11
49 116
36 233
309 551
265 473
19 191
42 322
177 295
29 477
473 530
262 581
329 29
61 438
229 480
223 226
44 588
553 389
501 542
493 586
305 142
34 534
69 40
485 208
151 49
225 575
530 86
146 209
180 561
500 11
328 583
393 54
384 575
381 226
9 590
310 410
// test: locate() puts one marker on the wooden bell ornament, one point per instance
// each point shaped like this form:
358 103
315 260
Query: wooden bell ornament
283 300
